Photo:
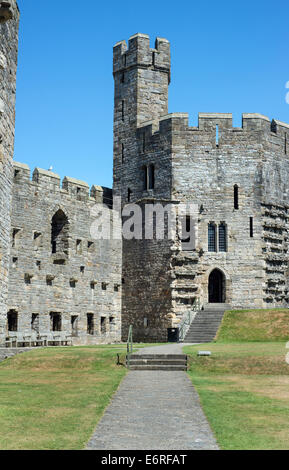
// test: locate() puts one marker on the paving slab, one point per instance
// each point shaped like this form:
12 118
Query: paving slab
154 410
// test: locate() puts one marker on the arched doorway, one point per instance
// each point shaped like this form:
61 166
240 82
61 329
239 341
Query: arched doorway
217 287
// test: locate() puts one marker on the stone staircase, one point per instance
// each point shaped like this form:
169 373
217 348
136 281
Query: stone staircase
206 323
166 362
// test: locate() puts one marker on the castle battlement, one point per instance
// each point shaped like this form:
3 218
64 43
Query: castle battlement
208 122
139 53
47 180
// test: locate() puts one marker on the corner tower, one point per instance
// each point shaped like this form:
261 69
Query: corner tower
9 21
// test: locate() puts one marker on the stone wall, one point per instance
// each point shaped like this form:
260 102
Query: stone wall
9 19
208 166
62 270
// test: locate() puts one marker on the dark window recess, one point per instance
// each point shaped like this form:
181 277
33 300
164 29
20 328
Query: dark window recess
27 278
92 285
122 77
122 110
212 237
129 193
222 237
12 320
236 196
217 136
74 325
104 286
72 283
38 264
151 177
285 144
59 233
15 237
103 324
16 175
55 321
14 262
35 322
90 324
116 288
186 228
251 227
49 280
145 178
82 269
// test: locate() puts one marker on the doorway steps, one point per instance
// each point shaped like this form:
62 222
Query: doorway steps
206 323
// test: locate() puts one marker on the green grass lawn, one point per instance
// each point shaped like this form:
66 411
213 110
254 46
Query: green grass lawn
244 386
52 398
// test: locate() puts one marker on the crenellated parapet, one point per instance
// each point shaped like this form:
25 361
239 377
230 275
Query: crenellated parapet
138 53
45 180
219 128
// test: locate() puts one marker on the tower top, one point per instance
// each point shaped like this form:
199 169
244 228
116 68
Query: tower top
138 53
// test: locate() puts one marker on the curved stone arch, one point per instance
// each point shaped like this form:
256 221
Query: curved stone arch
227 284
55 209
60 229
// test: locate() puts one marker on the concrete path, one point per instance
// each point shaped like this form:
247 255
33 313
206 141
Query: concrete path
154 410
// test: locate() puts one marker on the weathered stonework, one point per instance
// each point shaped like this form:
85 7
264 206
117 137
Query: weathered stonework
201 165
9 18
76 277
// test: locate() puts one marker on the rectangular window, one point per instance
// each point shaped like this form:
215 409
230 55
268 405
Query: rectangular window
151 177
236 197
122 110
222 237
251 227
103 325
55 321
90 324
212 237
12 320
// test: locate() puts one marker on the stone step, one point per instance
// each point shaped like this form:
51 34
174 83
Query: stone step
206 324
157 362
153 362
159 367
159 356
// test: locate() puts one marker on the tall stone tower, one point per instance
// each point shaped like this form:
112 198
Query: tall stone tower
9 20
235 177
142 77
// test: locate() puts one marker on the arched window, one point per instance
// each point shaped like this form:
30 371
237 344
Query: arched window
59 233
212 245
236 196
222 237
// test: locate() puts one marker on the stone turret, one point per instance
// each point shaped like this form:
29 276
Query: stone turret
9 19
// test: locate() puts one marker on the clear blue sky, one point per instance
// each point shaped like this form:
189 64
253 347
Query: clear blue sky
226 57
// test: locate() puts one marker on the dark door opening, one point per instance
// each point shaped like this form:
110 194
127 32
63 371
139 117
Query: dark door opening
216 287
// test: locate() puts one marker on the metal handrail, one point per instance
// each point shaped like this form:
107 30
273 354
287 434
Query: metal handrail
188 318
129 346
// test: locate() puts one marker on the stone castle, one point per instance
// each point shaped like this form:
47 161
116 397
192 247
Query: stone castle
55 278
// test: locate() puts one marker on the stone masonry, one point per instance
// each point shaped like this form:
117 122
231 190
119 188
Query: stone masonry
57 276
9 18
66 275
236 177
